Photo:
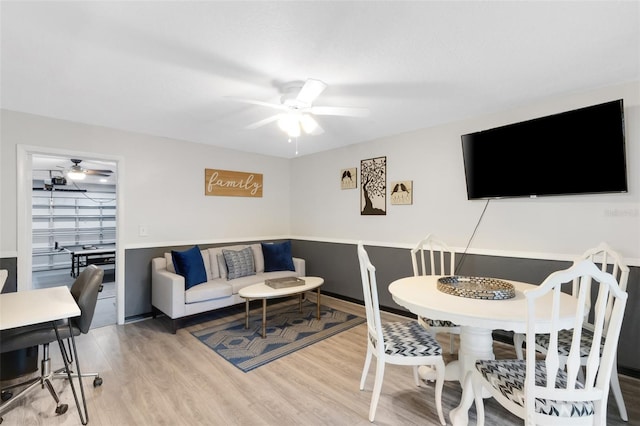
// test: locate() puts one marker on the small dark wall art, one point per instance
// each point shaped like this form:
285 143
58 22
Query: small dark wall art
373 186
349 178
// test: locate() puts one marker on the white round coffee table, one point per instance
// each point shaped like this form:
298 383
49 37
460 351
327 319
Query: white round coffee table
264 292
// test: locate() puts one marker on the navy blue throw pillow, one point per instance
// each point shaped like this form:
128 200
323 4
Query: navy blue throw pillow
277 257
190 265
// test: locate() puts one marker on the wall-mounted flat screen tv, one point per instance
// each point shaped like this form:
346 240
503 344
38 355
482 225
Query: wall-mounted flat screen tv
575 152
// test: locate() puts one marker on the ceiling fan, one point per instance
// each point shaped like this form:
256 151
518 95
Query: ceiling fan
76 172
297 109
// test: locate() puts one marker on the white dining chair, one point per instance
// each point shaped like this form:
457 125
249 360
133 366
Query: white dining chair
543 391
609 261
441 261
399 343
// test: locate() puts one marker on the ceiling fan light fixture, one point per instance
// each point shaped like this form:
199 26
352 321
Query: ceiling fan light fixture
289 124
76 175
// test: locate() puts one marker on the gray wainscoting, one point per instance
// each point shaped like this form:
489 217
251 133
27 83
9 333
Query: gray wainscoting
338 264
11 265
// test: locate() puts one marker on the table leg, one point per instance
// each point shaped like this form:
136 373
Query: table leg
475 343
318 303
246 314
82 412
264 318
300 302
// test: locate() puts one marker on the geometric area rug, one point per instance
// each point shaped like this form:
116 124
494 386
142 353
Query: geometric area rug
288 330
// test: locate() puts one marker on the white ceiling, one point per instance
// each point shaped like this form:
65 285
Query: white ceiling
167 68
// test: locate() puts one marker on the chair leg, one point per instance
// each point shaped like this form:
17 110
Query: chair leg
41 381
439 385
62 374
617 393
377 388
365 370
31 384
518 340
416 376
60 408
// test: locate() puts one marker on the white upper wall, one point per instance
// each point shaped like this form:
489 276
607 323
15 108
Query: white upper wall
548 227
163 183
164 189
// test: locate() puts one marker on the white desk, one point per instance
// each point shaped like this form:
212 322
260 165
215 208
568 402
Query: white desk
32 307
36 306
477 319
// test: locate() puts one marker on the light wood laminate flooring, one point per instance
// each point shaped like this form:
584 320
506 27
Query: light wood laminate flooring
153 377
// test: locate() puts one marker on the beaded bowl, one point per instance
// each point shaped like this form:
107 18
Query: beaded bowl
476 287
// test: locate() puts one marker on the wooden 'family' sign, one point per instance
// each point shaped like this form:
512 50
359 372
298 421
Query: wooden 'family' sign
232 184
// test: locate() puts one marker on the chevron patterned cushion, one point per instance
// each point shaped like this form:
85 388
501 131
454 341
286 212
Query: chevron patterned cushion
409 339
564 342
438 323
508 377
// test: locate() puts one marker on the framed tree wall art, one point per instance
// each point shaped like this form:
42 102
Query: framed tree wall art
373 186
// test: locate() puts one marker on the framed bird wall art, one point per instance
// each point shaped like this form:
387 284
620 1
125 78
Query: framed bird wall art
349 179
402 192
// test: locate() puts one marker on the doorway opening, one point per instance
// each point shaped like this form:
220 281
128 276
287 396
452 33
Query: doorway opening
73 225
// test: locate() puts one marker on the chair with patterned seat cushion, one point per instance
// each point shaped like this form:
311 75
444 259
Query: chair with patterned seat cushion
399 343
608 261
549 391
438 252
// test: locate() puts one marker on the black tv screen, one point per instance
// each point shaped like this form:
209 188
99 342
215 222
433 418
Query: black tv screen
575 152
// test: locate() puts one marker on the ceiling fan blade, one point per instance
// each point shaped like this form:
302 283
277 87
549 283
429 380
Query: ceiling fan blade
94 173
261 103
310 91
98 172
342 111
317 131
263 122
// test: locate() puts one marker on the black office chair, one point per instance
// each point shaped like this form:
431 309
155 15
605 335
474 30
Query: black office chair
85 291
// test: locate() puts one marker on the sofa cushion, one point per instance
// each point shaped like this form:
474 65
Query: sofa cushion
207 265
239 263
169 259
215 254
215 289
222 265
277 257
190 265
258 258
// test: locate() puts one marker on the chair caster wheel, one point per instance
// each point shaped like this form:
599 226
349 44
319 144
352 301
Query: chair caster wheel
97 382
6 395
62 408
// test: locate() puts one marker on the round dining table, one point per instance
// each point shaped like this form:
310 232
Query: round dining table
477 319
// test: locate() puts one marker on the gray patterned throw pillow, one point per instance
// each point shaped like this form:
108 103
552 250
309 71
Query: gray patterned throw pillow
239 263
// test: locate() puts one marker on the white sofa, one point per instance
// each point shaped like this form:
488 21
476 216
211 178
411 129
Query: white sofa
168 294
